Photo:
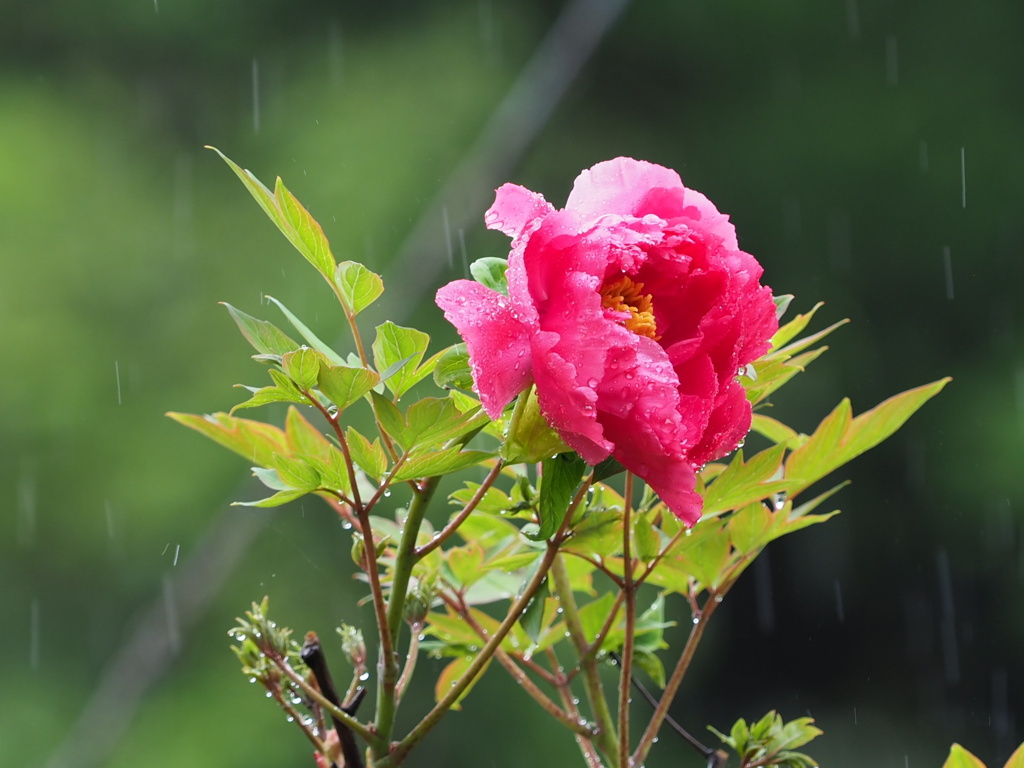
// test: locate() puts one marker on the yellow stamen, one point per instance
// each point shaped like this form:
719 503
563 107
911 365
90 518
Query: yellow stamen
623 295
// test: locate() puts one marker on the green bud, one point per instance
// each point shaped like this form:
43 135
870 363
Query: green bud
530 438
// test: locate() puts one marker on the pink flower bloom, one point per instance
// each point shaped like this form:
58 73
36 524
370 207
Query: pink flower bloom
632 310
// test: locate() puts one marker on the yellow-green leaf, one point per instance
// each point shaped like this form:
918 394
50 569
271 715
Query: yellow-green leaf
961 758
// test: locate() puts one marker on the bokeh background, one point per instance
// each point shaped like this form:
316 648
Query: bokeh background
868 151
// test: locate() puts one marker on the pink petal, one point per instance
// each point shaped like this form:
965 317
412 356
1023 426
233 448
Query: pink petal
627 187
515 208
497 340
727 426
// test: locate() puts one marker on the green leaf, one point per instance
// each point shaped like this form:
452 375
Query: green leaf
465 563
961 758
253 440
793 327
311 338
646 541
782 304
1016 759
560 477
650 626
529 438
651 665
532 619
271 479
594 615
303 367
265 337
396 344
432 421
773 429
452 369
390 418
307 235
452 674
490 272
357 286
838 439
600 533
814 338
279 498
370 457
439 463
290 217
344 385
705 553
267 395
742 483
296 473
749 527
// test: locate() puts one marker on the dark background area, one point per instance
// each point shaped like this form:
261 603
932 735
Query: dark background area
869 153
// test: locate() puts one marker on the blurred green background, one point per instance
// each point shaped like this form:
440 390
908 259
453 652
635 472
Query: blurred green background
868 151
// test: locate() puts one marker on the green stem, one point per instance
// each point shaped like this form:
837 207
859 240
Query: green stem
400 750
387 666
606 739
629 592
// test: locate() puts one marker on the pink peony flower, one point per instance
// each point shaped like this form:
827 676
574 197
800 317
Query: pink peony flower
632 310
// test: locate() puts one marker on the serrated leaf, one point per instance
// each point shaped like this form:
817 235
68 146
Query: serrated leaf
369 457
357 286
253 440
560 476
303 367
308 235
265 337
439 463
961 758
311 338
395 344
452 369
490 272
344 385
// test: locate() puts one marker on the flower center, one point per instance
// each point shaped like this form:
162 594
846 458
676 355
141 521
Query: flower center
623 295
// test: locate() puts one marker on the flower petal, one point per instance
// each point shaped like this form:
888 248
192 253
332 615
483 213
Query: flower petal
626 186
515 208
497 340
